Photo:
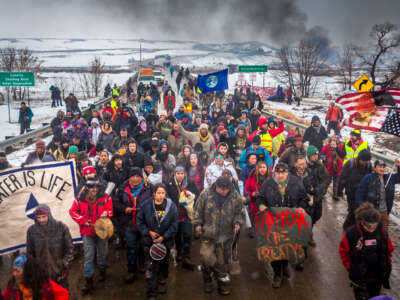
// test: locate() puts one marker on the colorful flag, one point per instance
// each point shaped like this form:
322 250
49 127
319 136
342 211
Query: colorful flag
213 82
392 123
369 110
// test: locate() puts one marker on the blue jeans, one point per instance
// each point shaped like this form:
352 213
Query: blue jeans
132 239
93 245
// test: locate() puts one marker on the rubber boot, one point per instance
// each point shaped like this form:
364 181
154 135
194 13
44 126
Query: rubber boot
208 282
224 286
87 286
187 264
102 275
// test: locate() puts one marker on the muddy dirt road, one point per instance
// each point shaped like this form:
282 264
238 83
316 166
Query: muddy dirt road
323 278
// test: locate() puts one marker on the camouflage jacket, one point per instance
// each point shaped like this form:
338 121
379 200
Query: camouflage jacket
218 223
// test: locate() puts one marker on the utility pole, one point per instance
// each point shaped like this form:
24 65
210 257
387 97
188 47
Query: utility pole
140 53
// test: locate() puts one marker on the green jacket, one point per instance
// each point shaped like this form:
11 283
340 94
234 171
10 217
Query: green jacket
218 223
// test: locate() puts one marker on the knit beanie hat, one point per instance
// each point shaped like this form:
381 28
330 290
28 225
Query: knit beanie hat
73 149
311 150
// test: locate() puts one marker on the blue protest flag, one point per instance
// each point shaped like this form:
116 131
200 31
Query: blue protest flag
213 82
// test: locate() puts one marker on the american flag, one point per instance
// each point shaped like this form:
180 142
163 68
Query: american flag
392 123
368 110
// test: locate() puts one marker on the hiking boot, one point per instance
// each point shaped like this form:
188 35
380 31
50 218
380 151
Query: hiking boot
187 264
235 267
130 278
299 267
277 281
286 271
87 286
223 286
102 275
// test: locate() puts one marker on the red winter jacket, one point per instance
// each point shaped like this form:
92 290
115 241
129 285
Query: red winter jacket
166 102
109 110
344 250
252 186
51 291
328 160
334 114
83 210
273 132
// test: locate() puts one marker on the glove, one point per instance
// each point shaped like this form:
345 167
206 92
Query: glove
198 232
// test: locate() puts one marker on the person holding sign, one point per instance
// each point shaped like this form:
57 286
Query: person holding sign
282 190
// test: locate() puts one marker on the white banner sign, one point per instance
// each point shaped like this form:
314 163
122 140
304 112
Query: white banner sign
23 189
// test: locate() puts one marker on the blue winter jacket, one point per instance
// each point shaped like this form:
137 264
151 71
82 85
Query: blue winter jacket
147 220
261 151
368 189
245 173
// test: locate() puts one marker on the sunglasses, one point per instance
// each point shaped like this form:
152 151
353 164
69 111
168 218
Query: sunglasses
219 156
91 186
280 171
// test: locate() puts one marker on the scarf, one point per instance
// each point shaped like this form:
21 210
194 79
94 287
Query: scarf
204 139
135 190
175 134
124 115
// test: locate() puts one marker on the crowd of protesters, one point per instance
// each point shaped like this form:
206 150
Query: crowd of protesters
164 173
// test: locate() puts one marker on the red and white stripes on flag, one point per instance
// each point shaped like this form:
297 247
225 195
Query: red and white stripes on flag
364 112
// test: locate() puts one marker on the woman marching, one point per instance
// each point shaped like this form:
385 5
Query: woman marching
157 221
195 171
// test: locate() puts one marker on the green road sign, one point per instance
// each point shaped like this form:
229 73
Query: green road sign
17 79
253 68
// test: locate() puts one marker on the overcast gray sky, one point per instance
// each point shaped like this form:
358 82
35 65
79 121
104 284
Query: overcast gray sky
272 21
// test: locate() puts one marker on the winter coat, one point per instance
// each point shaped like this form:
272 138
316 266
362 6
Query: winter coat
50 290
245 173
262 155
194 138
123 121
334 114
268 135
169 101
56 126
128 200
136 159
33 158
323 178
100 170
174 194
25 114
107 110
310 181
290 155
295 194
106 139
349 178
140 136
369 189
251 185
314 137
198 178
332 161
83 134
254 121
167 227
83 210
214 171
117 144
175 144
217 221
167 166
52 245
277 141
370 263
95 133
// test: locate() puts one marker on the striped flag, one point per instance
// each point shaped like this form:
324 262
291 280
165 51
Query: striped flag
369 110
392 123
